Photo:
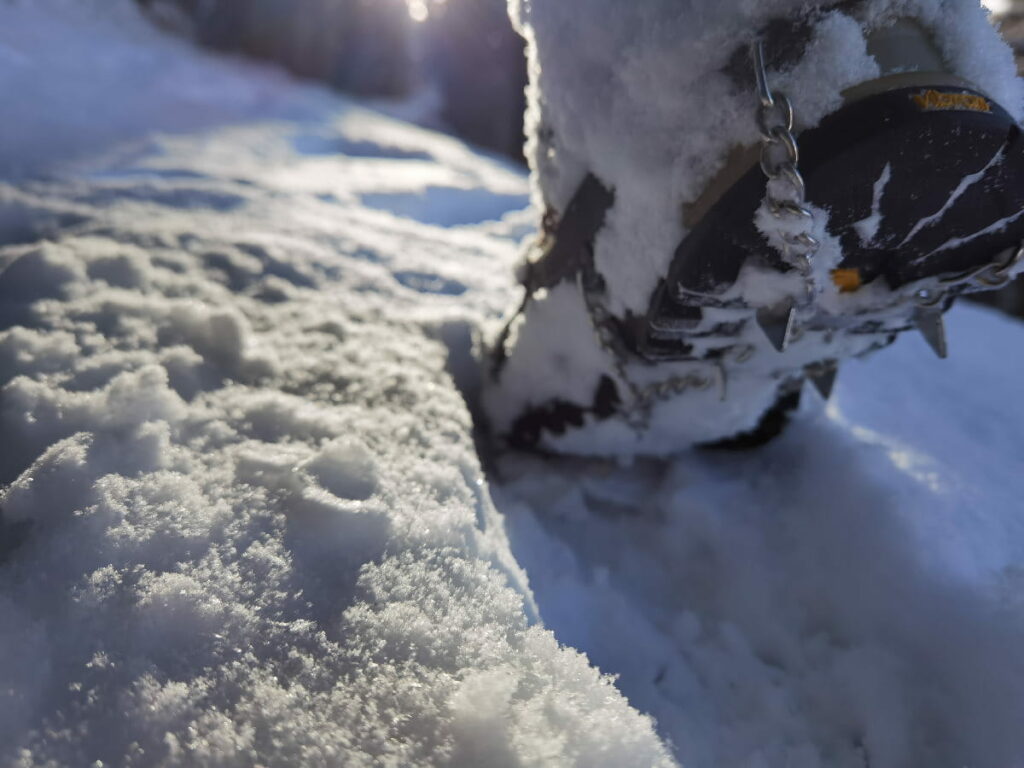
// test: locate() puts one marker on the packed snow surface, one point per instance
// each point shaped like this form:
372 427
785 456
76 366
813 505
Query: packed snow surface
244 520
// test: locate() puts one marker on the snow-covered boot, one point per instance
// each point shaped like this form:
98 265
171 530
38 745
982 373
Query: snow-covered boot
738 196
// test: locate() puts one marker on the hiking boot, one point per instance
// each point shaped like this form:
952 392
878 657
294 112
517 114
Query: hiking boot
731 215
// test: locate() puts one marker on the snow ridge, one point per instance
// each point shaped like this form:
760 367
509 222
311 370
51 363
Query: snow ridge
242 519
252 524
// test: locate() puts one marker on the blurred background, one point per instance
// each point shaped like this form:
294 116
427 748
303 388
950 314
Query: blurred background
460 60
464 54
460 56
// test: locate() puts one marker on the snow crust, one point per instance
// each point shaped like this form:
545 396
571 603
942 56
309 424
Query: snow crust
243 519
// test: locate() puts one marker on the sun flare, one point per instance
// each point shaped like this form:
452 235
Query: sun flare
997 6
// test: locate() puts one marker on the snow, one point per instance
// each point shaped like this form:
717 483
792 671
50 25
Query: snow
968 181
868 227
997 226
244 520
848 593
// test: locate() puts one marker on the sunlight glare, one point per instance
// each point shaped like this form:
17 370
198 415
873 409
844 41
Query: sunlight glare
997 6
418 10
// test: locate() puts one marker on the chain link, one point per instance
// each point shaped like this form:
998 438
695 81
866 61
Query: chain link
780 158
786 193
643 399
984 278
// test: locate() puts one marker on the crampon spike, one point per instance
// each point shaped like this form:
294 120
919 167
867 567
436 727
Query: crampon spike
932 326
778 323
825 381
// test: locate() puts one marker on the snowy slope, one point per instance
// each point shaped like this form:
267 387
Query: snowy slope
847 596
246 523
244 520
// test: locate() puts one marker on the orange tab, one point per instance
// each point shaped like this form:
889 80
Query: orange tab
847 280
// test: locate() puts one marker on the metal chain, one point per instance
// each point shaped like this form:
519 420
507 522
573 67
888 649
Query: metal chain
592 285
638 413
786 200
780 160
987 277
780 157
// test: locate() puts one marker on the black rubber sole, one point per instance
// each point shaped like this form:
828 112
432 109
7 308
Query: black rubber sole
952 200
772 424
